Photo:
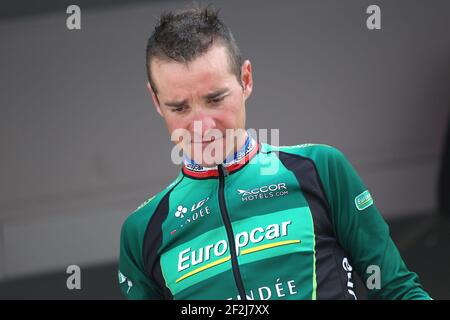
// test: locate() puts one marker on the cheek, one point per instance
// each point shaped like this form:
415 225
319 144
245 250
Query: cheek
233 115
174 124
178 133
173 121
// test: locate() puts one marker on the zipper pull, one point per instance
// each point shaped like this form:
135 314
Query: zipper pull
224 170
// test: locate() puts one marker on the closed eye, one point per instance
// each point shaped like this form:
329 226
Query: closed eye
218 99
178 109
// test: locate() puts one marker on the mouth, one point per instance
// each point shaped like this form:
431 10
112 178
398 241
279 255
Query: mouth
205 142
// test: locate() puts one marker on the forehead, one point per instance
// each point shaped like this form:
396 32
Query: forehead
204 73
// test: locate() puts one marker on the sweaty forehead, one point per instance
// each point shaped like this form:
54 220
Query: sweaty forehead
206 72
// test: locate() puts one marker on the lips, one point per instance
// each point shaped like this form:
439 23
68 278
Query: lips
206 141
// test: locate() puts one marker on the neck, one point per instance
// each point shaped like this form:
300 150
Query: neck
236 155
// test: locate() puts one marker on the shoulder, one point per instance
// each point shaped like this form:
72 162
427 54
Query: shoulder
318 153
136 223
325 159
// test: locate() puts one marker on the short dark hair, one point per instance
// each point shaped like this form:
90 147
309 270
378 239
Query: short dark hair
186 35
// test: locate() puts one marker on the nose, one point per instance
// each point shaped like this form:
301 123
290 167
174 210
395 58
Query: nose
201 122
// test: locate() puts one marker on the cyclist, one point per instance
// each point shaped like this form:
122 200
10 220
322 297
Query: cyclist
249 220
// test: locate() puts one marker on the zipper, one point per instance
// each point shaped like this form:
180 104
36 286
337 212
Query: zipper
226 219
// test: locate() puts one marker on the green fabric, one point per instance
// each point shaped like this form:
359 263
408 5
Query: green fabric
274 232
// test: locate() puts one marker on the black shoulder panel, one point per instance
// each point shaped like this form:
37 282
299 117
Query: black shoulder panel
153 241
329 273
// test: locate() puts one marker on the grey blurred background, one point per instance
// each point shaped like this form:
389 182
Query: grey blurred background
82 146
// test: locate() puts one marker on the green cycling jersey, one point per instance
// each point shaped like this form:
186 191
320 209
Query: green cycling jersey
278 223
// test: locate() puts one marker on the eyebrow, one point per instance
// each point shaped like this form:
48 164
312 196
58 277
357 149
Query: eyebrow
209 96
215 94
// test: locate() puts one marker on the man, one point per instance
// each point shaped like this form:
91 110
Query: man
247 220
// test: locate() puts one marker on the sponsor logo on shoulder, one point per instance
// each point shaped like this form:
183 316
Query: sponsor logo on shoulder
145 203
305 145
363 200
153 197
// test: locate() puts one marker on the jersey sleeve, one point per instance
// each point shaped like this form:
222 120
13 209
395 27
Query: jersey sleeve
363 233
134 283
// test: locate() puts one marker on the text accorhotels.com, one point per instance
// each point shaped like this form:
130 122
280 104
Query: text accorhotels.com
264 192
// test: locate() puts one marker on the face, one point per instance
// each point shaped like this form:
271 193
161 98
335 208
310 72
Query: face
204 99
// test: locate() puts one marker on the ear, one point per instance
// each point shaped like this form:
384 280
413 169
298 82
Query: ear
154 98
247 78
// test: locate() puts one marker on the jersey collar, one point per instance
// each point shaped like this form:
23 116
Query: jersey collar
232 163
